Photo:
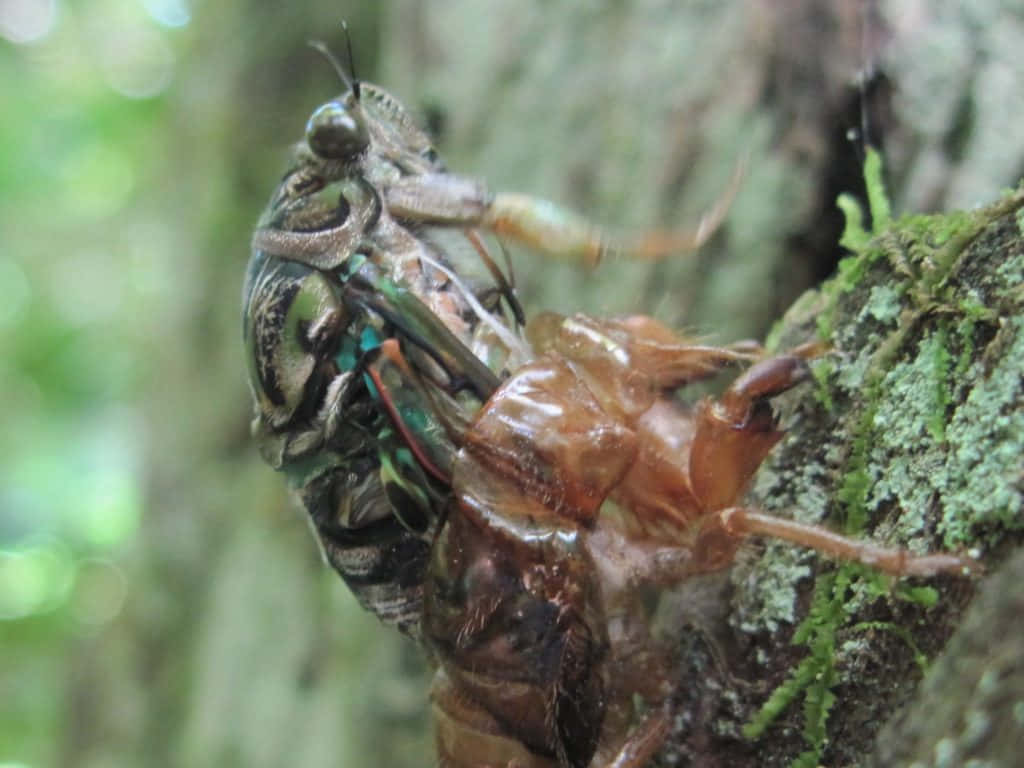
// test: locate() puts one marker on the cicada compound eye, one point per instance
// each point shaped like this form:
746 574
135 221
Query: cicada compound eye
337 131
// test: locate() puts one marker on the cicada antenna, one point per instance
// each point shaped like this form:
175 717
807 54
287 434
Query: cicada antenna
350 82
351 59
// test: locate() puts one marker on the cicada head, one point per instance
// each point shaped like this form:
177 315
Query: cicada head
337 130
366 117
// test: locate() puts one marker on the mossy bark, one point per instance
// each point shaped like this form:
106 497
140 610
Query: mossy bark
970 706
913 435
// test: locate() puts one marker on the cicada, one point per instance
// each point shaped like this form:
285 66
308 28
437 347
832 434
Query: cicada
501 489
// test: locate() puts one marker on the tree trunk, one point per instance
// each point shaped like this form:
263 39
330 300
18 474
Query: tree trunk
913 435
237 647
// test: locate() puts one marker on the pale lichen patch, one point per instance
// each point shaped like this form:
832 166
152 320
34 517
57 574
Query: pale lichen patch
884 304
908 460
986 437
766 589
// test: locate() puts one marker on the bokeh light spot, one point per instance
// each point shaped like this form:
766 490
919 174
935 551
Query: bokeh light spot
100 591
137 62
98 179
110 514
170 13
34 580
27 21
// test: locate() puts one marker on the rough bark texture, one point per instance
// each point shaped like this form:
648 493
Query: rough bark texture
238 648
970 706
913 435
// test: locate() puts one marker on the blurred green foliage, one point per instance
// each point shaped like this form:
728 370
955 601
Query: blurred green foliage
78 270
138 615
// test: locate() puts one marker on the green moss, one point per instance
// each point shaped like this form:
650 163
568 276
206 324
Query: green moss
817 632
857 482
878 201
854 237
973 312
857 239
823 372
816 675
926 597
931 422
936 230
942 396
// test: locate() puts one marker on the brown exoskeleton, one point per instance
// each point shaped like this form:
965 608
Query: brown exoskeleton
580 481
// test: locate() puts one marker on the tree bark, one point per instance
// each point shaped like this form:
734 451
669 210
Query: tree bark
913 435
969 705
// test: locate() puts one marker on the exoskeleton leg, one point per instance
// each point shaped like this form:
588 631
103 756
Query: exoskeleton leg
672 360
738 522
642 743
733 435
735 432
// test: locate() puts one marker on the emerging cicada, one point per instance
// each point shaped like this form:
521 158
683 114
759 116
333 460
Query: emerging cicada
499 489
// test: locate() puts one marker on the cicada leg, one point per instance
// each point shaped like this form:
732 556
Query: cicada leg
506 284
548 228
322 244
389 352
423 328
